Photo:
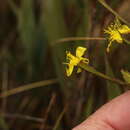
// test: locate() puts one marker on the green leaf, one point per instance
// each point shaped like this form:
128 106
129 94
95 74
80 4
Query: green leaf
126 75
90 104
53 15
113 89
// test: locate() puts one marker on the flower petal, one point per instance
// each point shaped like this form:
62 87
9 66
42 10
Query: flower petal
69 70
80 51
69 56
85 60
79 70
124 29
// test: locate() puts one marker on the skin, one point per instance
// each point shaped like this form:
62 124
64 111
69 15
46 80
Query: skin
115 115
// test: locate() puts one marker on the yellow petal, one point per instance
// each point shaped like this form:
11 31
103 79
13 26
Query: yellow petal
79 70
80 51
69 56
85 60
116 36
124 29
69 70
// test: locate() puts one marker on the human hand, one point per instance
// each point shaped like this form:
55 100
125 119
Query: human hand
114 115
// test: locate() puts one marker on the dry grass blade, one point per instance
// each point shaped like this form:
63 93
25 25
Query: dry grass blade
52 101
21 116
68 39
59 118
28 87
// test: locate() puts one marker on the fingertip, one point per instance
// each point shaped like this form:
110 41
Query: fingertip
113 115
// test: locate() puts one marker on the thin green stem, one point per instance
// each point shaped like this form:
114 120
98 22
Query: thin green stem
94 71
126 41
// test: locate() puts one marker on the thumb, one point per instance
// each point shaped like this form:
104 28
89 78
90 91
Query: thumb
114 115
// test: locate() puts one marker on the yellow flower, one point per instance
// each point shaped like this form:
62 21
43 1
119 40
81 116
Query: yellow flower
74 60
115 30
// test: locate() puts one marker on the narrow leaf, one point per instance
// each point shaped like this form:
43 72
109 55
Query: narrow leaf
113 89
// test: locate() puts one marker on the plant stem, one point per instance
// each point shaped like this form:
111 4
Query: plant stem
94 71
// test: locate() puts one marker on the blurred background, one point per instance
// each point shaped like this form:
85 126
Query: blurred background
35 93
